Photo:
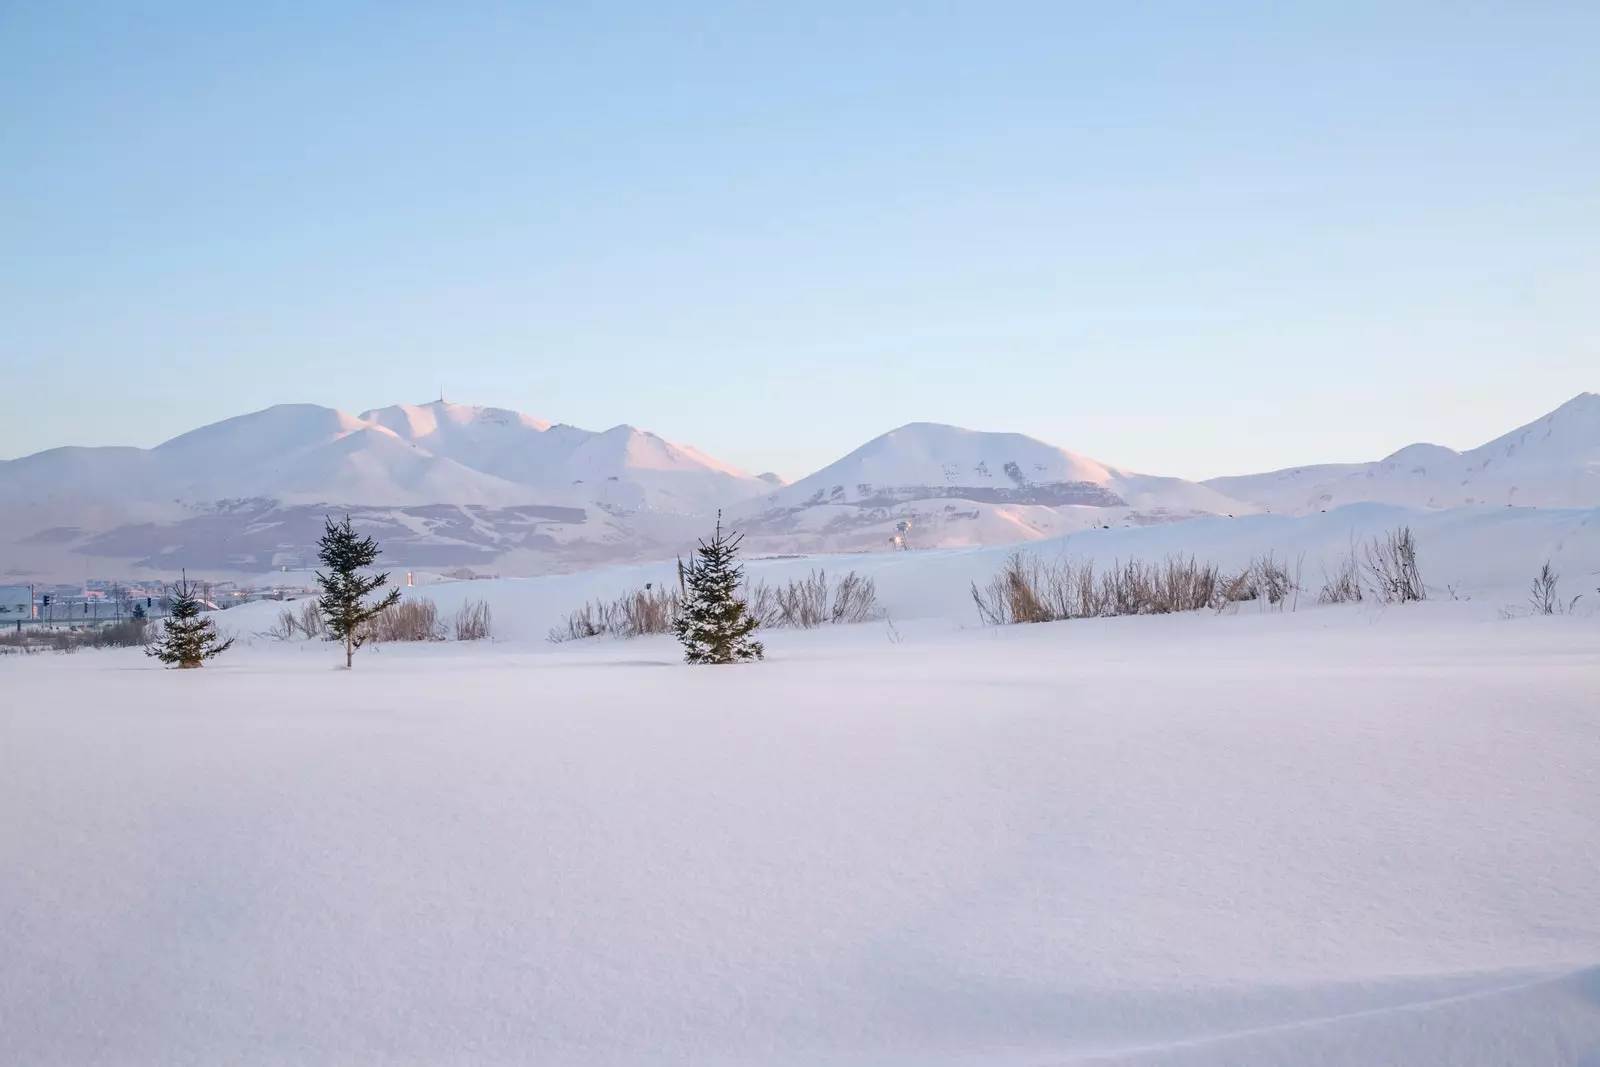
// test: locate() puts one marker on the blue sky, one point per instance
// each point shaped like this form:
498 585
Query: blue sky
1191 239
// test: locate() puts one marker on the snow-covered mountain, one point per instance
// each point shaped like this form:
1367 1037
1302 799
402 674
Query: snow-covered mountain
445 484
402 455
1553 461
956 486
450 486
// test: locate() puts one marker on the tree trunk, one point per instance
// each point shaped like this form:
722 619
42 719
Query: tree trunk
349 651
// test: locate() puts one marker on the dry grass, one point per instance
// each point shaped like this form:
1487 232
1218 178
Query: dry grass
1391 568
650 610
1265 579
1343 586
473 621
129 633
306 622
406 620
1028 589
801 603
809 602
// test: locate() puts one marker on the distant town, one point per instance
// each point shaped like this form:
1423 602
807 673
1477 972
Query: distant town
98 601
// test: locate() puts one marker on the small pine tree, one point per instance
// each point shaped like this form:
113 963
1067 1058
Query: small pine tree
187 639
715 625
139 612
344 587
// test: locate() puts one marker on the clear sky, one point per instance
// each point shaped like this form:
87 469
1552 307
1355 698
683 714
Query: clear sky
1183 238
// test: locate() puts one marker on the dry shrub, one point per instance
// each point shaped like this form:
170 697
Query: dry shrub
800 603
1391 568
472 621
580 623
806 603
1265 579
35 640
406 620
284 628
1542 597
307 622
1343 586
1028 589
130 633
650 610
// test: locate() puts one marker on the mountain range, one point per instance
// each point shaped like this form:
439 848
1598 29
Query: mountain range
456 488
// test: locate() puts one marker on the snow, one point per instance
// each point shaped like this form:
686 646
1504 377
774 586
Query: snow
1485 556
1331 836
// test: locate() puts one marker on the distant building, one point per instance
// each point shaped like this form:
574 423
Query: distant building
14 602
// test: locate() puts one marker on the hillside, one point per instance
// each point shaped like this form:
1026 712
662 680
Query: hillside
1553 461
964 487
451 486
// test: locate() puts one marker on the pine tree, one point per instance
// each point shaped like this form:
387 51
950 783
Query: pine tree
187 639
344 588
715 626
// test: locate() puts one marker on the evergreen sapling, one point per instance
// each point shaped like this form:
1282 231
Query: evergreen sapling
344 587
187 639
715 625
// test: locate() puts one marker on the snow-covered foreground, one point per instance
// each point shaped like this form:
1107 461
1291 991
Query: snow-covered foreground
1332 837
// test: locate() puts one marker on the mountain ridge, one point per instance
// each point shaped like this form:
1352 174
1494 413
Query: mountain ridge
452 485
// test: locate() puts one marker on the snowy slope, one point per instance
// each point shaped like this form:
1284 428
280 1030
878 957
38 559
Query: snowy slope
436 453
460 486
622 466
496 490
928 460
1483 555
1551 462
1336 837
964 487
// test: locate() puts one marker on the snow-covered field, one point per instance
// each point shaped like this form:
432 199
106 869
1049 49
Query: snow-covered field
1333 836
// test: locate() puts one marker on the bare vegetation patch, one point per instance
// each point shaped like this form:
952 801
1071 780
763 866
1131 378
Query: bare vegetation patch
809 602
800 603
1027 589
406 620
1343 585
637 613
1391 568
129 633
473 621
307 622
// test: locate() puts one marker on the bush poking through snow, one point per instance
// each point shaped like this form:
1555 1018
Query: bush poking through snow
638 613
1028 589
307 622
801 603
1543 594
312 623
284 628
472 621
1265 579
1391 566
129 633
806 603
1343 586
407 620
